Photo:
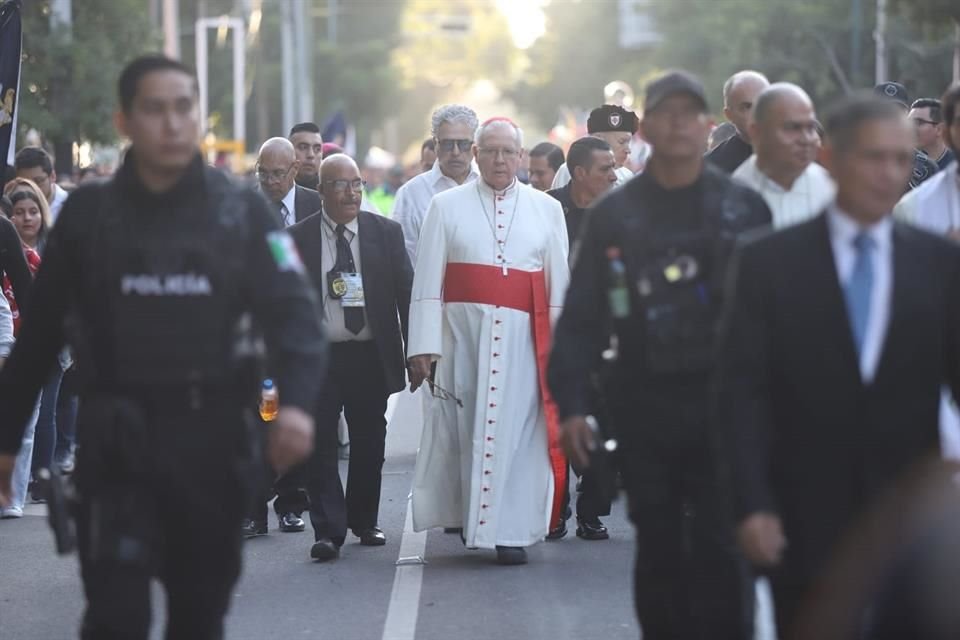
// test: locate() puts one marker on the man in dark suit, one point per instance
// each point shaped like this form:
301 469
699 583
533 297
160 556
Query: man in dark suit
838 336
359 265
277 169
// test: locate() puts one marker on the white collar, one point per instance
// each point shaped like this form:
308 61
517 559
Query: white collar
843 228
800 184
512 188
351 226
290 200
435 175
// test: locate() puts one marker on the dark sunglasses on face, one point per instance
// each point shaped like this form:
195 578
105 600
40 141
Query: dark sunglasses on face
446 146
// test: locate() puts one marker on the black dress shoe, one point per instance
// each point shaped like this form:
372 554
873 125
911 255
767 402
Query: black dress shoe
253 528
511 555
558 531
372 537
324 549
591 529
291 523
453 529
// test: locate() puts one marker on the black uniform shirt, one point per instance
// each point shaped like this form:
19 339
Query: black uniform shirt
572 214
730 154
583 330
275 291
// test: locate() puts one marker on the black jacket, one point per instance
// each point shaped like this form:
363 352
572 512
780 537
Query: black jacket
156 227
730 154
805 437
387 283
622 220
307 202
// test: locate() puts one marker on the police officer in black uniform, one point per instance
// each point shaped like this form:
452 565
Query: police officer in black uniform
592 168
923 166
647 284
153 277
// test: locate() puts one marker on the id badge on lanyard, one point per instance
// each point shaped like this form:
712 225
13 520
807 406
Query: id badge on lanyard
347 288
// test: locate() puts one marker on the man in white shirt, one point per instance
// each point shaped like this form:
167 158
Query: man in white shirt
783 129
453 127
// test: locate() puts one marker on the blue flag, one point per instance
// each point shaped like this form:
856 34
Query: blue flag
11 42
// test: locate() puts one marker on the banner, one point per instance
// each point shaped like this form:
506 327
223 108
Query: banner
11 42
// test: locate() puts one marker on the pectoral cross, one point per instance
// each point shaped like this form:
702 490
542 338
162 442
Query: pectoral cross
503 264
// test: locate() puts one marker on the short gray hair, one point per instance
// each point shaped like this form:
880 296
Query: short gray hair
499 122
453 113
737 78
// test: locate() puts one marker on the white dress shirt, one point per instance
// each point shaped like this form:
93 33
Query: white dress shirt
413 199
562 176
808 196
332 309
59 197
289 215
843 231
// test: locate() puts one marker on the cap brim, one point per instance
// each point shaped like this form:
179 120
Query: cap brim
658 100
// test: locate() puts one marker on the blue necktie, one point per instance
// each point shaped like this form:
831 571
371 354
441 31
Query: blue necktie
859 289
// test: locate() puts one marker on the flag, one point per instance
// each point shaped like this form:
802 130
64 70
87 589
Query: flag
11 42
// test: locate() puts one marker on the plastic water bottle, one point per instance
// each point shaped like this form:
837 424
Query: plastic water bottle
618 293
269 401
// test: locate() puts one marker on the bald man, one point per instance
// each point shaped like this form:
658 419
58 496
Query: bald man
740 92
277 168
359 266
783 130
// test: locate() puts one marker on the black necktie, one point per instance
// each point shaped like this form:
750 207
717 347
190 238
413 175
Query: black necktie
352 316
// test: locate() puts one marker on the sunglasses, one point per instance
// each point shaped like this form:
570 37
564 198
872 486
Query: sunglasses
446 146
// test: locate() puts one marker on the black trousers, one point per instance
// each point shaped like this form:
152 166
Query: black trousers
355 385
690 582
591 503
290 488
172 513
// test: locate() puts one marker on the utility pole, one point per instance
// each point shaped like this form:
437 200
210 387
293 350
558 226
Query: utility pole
171 28
856 19
956 51
880 38
304 56
287 64
61 25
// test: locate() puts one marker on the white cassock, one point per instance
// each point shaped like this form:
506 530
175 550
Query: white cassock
492 465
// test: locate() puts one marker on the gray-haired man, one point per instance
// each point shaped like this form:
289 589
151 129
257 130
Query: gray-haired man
452 126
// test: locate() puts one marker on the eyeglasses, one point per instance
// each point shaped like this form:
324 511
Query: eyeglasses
343 185
439 392
921 121
446 146
276 175
491 152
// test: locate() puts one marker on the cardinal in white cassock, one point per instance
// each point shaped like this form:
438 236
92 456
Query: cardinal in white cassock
489 282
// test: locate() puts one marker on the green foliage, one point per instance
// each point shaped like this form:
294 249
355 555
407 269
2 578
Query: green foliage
808 43
68 83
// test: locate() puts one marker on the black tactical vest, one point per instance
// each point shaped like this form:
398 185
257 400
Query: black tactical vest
171 292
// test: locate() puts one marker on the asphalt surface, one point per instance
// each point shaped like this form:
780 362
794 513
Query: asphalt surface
570 588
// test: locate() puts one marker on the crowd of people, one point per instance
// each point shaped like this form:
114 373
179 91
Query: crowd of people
764 318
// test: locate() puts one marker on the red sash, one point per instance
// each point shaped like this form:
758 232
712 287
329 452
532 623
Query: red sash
524 291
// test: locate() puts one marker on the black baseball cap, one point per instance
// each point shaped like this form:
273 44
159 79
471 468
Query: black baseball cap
671 84
893 91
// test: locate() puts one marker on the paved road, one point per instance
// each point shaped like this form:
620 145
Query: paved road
570 589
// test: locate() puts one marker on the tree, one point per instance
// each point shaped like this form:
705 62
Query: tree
69 76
